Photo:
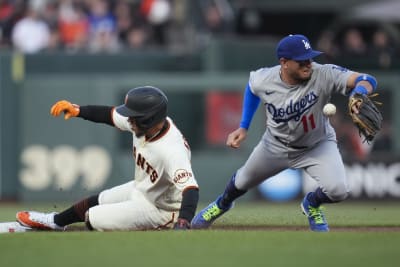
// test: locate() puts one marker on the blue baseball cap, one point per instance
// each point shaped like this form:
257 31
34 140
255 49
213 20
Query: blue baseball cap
296 47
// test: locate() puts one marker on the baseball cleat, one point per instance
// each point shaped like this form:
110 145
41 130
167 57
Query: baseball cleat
13 227
38 220
208 215
316 217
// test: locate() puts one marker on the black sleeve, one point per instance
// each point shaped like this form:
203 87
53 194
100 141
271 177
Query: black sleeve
189 204
100 114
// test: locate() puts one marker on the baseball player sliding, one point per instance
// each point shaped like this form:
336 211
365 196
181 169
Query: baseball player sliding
298 134
164 193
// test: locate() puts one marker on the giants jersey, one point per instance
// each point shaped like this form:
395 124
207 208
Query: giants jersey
162 166
294 113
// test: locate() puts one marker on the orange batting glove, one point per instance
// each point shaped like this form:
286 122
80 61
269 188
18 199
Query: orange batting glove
70 110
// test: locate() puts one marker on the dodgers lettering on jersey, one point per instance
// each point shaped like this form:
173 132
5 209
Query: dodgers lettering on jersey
162 166
294 110
294 113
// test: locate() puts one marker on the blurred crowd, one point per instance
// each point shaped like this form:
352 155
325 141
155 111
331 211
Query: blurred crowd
96 25
100 25
377 46
114 25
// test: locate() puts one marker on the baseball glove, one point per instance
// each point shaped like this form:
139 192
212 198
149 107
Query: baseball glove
369 119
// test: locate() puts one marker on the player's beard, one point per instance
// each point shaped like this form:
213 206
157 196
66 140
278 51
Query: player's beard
138 132
300 77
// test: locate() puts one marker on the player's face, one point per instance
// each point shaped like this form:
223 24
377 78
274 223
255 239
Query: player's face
300 71
135 128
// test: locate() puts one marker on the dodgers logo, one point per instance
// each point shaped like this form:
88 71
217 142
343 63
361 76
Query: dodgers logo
294 110
339 68
306 44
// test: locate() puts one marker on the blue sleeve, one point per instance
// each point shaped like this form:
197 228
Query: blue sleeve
250 105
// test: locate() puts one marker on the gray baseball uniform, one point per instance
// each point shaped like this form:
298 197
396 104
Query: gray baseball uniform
297 135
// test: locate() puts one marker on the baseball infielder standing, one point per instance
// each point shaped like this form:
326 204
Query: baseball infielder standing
298 135
164 193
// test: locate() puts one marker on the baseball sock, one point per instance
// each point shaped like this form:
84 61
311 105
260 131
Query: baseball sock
231 193
318 197
76 213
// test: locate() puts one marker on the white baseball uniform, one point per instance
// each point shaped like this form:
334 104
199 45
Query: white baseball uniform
153 199
298 134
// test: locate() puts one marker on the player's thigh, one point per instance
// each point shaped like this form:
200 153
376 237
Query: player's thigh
135 214
261 165
325 165
117 194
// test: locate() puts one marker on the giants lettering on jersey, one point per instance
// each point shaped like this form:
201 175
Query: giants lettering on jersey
294 110
181 176
144 165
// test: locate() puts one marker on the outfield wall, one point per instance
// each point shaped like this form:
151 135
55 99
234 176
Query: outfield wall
49 159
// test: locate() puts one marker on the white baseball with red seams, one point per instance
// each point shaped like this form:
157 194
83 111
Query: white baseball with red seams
329 109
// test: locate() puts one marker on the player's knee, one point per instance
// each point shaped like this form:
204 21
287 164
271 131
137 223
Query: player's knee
338 193
339 197
87 221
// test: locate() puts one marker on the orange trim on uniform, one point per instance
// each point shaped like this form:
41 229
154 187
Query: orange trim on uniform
190 187
162 133
165 226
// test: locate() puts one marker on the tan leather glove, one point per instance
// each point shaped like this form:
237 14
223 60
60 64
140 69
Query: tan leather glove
365 115
70 110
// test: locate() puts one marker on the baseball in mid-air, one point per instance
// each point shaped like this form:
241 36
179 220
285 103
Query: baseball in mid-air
329 109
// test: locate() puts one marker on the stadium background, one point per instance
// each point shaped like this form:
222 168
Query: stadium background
204 74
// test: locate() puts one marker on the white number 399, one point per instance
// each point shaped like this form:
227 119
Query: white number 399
62 166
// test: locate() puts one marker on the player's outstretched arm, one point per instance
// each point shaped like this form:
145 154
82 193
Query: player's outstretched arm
98 114
70 110
250 105
236 137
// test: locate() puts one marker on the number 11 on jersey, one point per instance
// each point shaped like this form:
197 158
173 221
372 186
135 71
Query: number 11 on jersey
308 121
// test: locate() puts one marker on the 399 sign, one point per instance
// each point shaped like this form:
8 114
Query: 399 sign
62 166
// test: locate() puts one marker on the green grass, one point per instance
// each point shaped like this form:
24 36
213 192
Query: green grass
354 214
292 246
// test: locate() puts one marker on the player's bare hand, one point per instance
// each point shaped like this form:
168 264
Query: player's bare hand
355 109
182 224
70 110
354 105
236 137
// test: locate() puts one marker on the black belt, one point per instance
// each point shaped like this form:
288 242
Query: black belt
288 145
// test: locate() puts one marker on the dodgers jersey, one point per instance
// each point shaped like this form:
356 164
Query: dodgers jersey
294 112
162 166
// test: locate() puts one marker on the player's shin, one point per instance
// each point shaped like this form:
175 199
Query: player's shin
230 194
76 213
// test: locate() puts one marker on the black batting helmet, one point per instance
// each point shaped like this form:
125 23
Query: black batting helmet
147 105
